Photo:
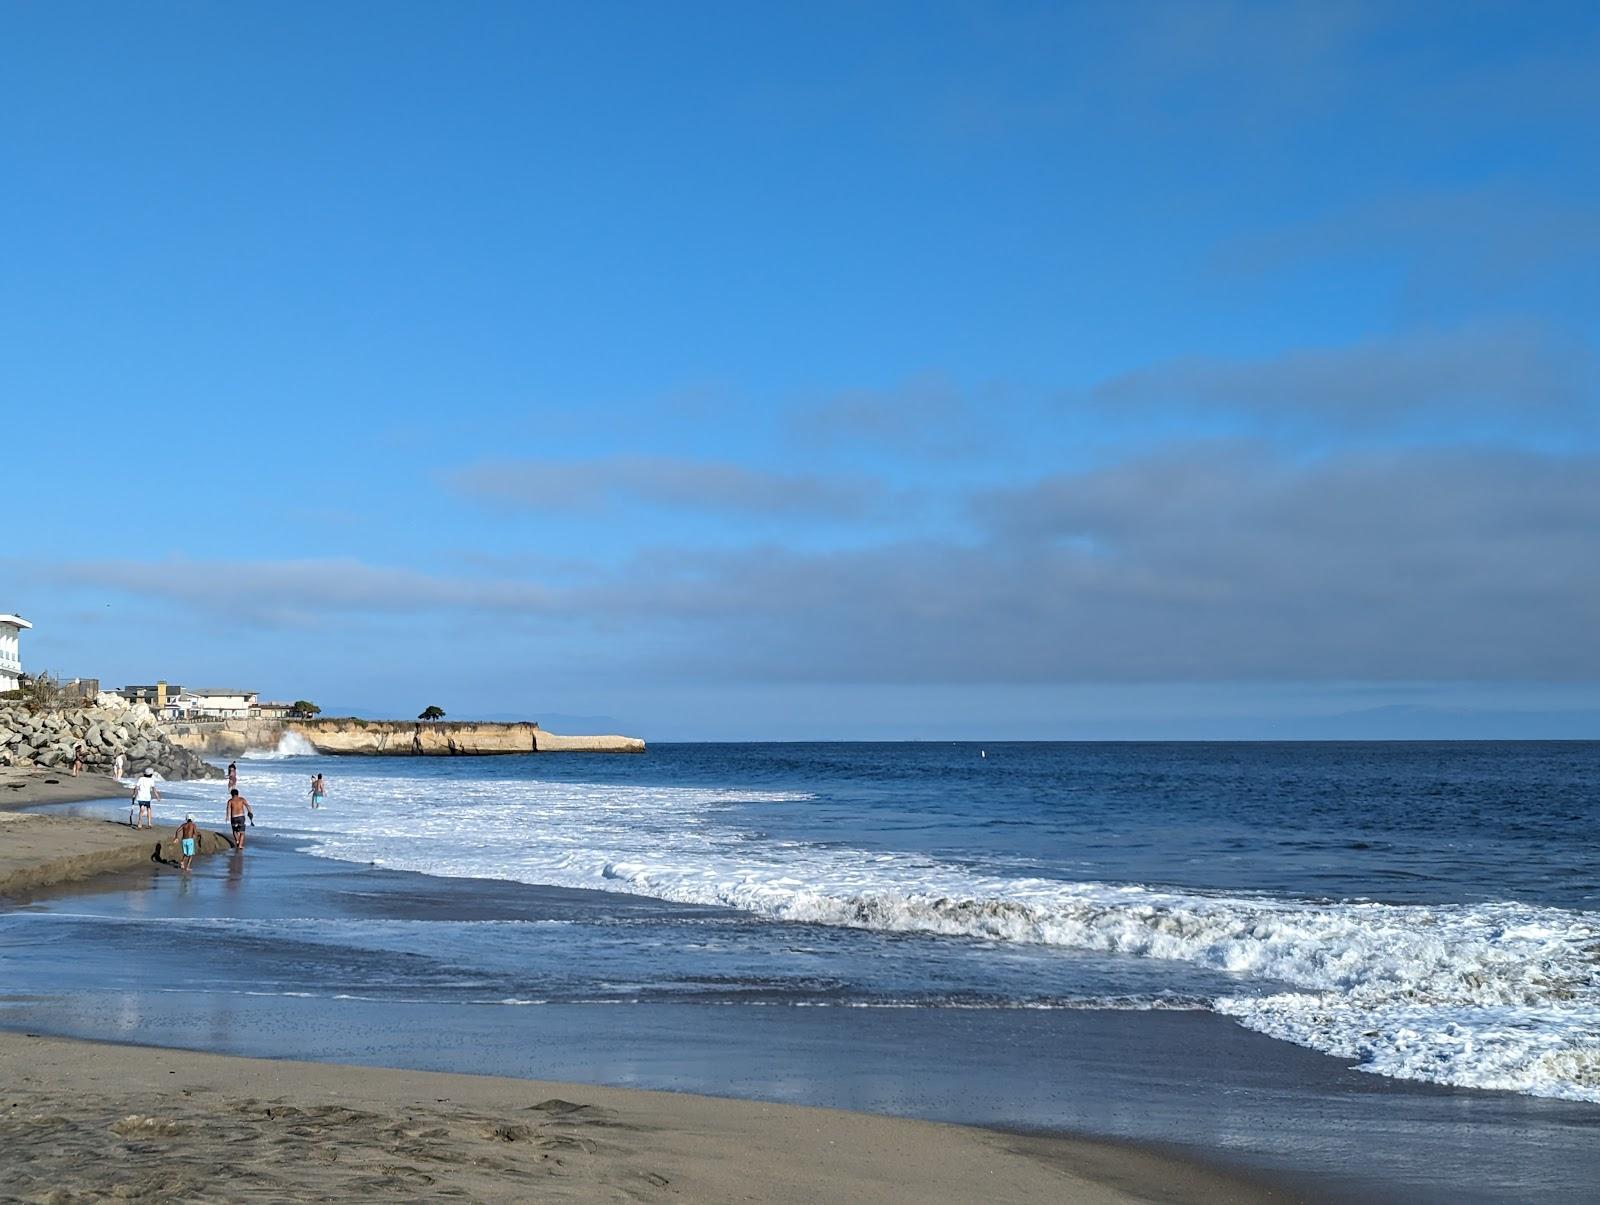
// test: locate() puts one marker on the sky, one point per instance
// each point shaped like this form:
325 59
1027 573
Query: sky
816 370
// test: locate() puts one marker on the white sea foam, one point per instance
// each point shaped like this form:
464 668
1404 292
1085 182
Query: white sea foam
290 744
1495 995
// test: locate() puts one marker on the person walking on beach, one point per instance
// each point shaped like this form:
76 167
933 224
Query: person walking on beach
188 838
238 809
319 791
77 761
118 764
233 774
144 791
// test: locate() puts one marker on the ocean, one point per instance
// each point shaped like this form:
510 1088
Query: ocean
1423 917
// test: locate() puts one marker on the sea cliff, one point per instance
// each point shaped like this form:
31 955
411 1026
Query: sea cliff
393 738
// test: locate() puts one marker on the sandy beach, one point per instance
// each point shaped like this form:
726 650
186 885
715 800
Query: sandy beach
21 788
85 1121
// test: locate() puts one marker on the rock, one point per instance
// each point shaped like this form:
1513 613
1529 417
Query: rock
51 739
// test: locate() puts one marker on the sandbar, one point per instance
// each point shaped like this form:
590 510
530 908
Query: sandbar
38 851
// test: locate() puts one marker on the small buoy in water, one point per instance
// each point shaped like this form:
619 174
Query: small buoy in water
983 753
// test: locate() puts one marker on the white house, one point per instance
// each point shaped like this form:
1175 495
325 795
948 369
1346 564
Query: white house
219 701
10 658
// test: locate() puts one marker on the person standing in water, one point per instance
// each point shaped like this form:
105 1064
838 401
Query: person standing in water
188 838
144 791
233 775
319 791
238 809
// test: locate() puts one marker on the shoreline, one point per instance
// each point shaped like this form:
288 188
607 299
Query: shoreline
86 1116
708 1146
1186 1085
39 852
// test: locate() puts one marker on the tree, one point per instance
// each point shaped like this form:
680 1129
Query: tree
432 713
305 707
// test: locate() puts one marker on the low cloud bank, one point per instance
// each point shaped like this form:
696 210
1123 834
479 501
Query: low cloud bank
1205 563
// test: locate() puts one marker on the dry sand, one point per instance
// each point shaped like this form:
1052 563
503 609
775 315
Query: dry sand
83 1121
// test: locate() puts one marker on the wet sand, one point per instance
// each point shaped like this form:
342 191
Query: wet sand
38 852
20 788
84 1120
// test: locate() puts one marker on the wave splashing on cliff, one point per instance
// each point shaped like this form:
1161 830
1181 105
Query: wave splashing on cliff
290 744
1493 995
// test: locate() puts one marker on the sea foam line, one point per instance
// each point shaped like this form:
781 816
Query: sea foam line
1496 995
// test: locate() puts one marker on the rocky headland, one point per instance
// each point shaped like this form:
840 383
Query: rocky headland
391 738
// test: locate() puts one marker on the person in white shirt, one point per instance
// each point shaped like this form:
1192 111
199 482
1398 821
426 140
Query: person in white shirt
144 792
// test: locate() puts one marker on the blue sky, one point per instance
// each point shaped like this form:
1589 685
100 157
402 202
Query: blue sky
746 371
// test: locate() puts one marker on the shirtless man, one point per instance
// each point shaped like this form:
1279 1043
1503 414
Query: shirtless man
238 809
188 838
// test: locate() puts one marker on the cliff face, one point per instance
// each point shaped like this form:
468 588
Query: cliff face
227 739
395 738
398 737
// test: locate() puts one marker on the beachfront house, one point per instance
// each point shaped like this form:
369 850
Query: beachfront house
11 627
273 711
179 705
157 698
217 702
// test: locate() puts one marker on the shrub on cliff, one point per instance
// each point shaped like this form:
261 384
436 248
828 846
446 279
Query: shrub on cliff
432 713
304 708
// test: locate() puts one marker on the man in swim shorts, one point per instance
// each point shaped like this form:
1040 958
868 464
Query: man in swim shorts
319 791
238 809
188 838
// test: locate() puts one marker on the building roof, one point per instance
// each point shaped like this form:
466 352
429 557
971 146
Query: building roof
15 621
211 692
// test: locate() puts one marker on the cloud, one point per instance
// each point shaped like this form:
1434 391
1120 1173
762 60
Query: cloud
708 487
1518 371
1158 70
295 591
1458 247
1212 563
1206 563
925 415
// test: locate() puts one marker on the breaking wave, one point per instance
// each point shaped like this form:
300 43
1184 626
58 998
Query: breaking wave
290 744
1494 995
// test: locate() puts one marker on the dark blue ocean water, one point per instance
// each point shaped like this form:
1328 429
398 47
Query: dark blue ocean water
1405 821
